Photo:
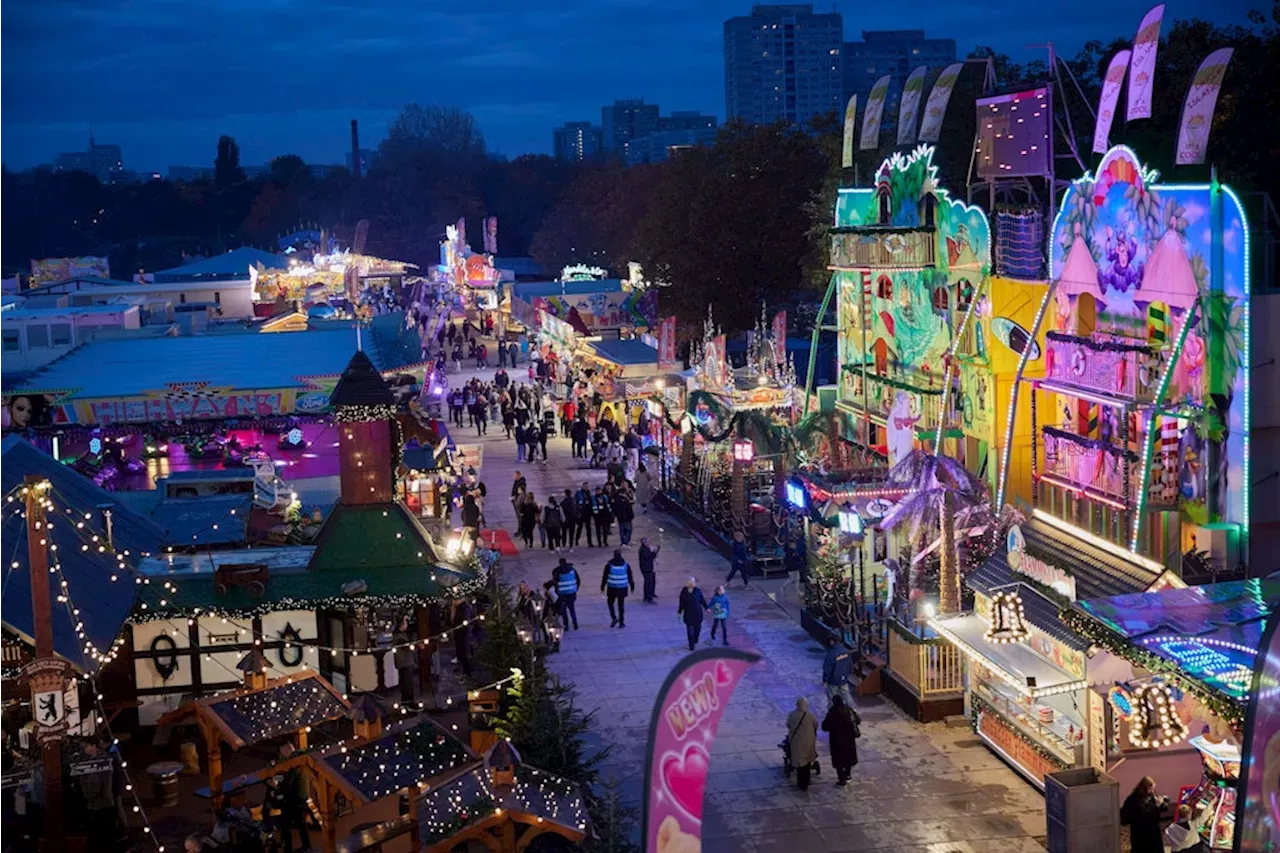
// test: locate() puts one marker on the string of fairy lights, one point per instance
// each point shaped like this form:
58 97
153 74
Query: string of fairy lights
101 718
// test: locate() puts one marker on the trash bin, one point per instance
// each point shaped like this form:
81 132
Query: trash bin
164 782
1082 811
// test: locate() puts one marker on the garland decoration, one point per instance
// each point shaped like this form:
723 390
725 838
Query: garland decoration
1098 346
980 704
1091 443
893 383
1228 709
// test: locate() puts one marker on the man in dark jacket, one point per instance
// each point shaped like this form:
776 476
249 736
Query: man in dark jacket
569 509
626 515
837 669
647 557
543 433
99 790
578 435
582 498
566 580
616 579
602 512
692 605
518 485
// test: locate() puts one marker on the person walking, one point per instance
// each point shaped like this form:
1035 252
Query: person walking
513 353
569 521
631 444
837 668
738 561
693 604
1141 812
482 415
719 607
602 512
644 488
552 521
616 579
586 513
578 436
567 582
529 609
547 430
403 658
626 515
843 724
518 485
802 741
521 438
648 556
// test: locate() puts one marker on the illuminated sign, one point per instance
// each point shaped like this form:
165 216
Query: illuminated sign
581 272
1035 568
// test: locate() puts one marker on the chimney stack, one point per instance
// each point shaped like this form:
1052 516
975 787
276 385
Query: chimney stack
355 148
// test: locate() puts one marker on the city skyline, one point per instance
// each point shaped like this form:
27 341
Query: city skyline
126 72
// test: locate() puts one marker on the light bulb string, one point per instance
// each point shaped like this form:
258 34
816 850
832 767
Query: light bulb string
95 539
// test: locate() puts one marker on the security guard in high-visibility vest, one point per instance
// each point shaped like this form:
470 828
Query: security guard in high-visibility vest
566 579
616 578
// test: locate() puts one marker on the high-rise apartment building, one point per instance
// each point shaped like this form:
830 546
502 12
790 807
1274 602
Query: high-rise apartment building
625 120
893 52
783 63
104 162
576 141
681 129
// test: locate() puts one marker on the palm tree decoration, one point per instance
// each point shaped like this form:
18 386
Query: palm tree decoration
944 497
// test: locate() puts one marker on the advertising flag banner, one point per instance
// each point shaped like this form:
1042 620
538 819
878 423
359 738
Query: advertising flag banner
667 345
1258 806
683 727
910 105
936 107
1108 100
779 331
872 115
1142 69
846 151
1197 112
491 235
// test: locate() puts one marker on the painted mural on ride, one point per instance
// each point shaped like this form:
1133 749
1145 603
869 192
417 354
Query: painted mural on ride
1151 305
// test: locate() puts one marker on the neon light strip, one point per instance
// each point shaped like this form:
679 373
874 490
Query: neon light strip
1246 365
1207 641
1086 491
951 354
1110 547
1153 434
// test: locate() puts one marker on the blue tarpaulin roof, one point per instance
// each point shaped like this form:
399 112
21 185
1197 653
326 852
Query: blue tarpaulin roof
233 264
104 604
189 522
626 352
128 367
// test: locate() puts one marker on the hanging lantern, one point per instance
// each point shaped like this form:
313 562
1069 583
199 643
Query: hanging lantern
744 451
850 521
1008 622
1155 721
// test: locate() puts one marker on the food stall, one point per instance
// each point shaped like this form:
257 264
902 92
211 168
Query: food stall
1201 643
1036 689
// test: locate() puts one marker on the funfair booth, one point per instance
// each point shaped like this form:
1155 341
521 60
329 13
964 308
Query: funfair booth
1199 645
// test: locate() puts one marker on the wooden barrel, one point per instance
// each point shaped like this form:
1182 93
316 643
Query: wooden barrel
164 782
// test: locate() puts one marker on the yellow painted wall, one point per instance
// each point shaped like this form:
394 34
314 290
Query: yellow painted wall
1017 301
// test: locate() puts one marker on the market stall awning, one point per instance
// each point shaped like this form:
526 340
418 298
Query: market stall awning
104 603
1097 571
245 717
626 353
1208 634
1013 662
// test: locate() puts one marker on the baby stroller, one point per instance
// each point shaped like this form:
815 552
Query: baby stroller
787 767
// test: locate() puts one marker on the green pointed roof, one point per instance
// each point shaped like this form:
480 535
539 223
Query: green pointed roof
361 385
372 537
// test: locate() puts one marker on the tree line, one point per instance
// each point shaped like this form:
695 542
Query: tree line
728 225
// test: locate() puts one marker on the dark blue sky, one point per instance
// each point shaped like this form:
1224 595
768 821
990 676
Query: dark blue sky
164 78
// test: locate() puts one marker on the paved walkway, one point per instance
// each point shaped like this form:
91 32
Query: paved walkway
916 788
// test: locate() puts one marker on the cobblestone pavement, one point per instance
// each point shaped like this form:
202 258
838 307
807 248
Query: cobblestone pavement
916 788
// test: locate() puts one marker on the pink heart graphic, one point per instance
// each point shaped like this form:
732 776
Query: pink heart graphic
724 675
686 778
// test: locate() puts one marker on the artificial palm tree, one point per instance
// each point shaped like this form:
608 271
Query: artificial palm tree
945 497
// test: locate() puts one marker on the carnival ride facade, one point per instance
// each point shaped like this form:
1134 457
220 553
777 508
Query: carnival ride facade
1142 408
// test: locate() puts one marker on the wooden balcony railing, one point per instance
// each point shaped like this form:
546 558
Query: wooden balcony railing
883 247
1128 371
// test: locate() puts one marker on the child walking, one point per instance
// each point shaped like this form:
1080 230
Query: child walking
720 614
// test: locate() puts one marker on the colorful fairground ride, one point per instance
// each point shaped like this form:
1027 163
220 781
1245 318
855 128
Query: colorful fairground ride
1141 413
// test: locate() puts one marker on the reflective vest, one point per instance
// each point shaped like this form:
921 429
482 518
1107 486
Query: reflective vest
568 583
618 575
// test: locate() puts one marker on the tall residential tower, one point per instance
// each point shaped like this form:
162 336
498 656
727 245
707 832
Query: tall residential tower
783 63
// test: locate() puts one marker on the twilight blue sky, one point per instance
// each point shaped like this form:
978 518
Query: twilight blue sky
164 78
